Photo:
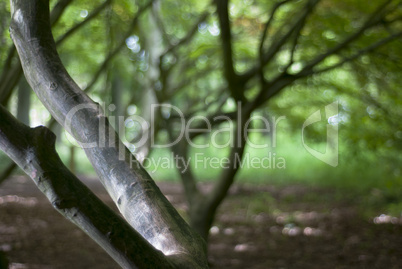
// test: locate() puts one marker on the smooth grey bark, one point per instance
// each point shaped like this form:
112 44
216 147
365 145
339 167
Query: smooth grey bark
33 149
132 189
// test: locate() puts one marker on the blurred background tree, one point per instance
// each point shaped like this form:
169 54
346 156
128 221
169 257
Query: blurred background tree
279 58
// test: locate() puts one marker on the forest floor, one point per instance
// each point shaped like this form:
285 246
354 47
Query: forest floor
264 226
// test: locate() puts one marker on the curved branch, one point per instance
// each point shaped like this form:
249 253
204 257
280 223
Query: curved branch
33 149
132 189
190 34
374 19
58 10
275 47
268 25
358 54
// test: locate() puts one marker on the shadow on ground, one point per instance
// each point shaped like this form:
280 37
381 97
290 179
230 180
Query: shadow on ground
258 227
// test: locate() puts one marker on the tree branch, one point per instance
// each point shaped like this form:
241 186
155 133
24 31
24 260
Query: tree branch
58 10
164 72
190 34
76 27
297 32
375 18
271 89
226 38
34 152
284 79
361 52
132 189
277 45
268 25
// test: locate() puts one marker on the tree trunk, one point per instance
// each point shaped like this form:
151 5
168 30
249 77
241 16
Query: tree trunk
201 218
203 208
33 149
132 189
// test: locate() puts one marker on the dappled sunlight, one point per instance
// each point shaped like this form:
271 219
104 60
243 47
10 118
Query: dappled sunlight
284 218
308 231
14 199
260 230
228 231
7 230
280 120
243 247
280 223
383 219
292 214
214 230
28 266
291 230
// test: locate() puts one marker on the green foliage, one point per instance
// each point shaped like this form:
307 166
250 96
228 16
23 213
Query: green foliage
367 89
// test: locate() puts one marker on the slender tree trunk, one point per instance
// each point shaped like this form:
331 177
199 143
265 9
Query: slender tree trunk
132 189
33 149
203 209
201 218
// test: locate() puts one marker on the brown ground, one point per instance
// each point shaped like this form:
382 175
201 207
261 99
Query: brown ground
257 227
